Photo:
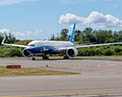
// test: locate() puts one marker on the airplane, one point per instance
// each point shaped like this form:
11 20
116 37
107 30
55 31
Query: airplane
44 48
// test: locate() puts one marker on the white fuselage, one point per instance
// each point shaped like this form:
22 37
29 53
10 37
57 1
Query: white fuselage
55 44
50 47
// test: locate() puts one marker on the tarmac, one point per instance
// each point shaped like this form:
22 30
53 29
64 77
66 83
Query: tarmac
99 77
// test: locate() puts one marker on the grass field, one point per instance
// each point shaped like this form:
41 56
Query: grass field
30 72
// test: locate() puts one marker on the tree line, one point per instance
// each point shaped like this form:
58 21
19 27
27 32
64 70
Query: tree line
87 36
9 38
8 51
90 36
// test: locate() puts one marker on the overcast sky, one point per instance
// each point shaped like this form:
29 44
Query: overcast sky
39 19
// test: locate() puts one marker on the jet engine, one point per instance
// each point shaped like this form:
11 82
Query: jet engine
26 53
71 52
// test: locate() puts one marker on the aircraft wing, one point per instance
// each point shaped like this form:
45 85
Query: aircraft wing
95 45
88 46
15 45
62 49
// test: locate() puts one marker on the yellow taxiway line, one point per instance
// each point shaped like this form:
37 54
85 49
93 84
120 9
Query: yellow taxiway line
68 94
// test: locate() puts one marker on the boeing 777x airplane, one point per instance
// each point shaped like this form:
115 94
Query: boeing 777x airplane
68 48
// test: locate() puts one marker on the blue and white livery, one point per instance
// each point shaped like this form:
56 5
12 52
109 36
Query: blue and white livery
68 48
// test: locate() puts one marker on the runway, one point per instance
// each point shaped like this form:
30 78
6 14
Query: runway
98 77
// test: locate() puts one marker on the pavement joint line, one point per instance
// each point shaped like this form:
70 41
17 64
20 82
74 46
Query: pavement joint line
68 94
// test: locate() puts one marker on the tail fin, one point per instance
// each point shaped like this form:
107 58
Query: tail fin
73 34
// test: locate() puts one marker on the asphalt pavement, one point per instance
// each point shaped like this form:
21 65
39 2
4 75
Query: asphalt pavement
99 77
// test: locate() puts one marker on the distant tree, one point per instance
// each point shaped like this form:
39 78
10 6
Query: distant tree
88 35
9 38
81 38
115 37
53 37
100 36
1 38
120 35
77 35
64 34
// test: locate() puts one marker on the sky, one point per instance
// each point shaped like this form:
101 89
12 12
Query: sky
40 19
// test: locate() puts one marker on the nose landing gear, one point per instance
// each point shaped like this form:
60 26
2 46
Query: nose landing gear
33 58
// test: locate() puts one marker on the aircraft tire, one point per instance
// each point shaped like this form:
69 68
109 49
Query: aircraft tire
33 59
45 57
66 57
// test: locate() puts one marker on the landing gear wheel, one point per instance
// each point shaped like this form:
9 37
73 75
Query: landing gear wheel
45 57
66 57
33 58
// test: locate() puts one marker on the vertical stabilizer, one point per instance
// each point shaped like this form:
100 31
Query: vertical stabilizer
73 34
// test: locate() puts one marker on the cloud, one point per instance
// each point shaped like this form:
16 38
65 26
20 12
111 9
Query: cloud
95 19
37 34
70 19
5 30
20 34
10 2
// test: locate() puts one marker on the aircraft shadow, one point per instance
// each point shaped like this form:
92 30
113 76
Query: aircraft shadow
83 58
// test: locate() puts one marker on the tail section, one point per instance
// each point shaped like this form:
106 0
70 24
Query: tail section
73 34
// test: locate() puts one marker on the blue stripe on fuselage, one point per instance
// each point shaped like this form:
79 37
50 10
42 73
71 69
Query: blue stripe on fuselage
43 50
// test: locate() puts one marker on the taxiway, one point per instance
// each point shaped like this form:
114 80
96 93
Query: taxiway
98 76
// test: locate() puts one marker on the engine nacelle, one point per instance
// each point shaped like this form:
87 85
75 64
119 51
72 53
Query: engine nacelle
71 52
26 53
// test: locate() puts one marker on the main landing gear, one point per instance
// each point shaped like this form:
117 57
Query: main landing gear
33 58
44 57
66 57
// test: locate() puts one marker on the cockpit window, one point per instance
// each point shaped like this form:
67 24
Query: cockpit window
32 45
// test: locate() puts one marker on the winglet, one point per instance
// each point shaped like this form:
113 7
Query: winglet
73 34
3 41
15 45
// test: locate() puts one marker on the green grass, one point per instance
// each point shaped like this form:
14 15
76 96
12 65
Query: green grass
30 72
118 60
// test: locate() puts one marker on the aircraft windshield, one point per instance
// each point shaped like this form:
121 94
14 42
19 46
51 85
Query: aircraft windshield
32 45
